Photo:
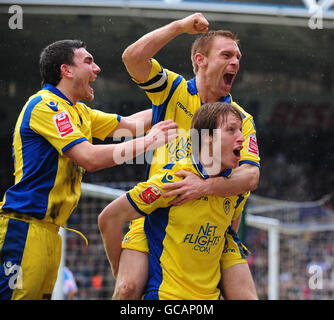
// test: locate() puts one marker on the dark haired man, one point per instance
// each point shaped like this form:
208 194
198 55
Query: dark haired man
52 149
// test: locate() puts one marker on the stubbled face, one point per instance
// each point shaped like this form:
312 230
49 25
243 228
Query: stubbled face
222 65
85 72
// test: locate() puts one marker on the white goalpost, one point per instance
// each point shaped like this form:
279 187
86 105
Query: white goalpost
271 225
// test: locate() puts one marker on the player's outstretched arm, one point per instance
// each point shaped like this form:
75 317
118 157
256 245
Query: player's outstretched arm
137 56
111 221
133 126
97 157
244 178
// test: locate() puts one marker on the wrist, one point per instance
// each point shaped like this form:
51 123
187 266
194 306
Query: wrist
207 186
148 140
176 27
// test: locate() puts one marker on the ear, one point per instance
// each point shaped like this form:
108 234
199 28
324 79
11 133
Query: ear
66 71
201 60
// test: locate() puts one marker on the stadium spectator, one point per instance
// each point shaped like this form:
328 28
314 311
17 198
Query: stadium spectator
70 286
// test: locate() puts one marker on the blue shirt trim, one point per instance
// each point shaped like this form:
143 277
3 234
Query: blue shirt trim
40 165
249 162
155 229
200 169
134 205
158 114
192 88
56 91
73 143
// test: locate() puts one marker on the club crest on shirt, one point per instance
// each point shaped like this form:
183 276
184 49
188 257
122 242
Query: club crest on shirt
227 206
63 124
150 194
252 144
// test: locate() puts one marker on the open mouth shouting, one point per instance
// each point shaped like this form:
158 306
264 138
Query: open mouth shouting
229 78
236 152
91 90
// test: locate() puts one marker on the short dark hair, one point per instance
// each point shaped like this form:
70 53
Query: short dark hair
54 55
208 117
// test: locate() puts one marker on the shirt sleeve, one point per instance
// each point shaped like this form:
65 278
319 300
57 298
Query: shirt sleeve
55 126
103 123
159 83
250 151
146 197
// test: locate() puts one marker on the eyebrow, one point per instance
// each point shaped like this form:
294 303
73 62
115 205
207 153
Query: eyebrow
232 52
89 58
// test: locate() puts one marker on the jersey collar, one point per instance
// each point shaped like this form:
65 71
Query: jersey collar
191 84
200 169
56 91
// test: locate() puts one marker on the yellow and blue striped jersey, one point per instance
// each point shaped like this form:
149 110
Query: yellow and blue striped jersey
185 242
47 183
175 98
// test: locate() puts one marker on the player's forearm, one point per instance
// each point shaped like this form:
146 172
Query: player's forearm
243 179
133 126
116 154
149 44
137 56
97 157
145 120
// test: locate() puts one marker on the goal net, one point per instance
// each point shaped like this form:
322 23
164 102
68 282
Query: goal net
292 246
89 265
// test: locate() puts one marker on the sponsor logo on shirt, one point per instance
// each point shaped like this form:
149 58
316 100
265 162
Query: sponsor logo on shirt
187 112
252 144
150 194
205 238
63 124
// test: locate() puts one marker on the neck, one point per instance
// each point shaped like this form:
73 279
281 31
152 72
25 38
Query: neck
211 167
65 88
205 90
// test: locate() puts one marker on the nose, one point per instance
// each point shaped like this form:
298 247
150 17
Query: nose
235 61
240 137
96 68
